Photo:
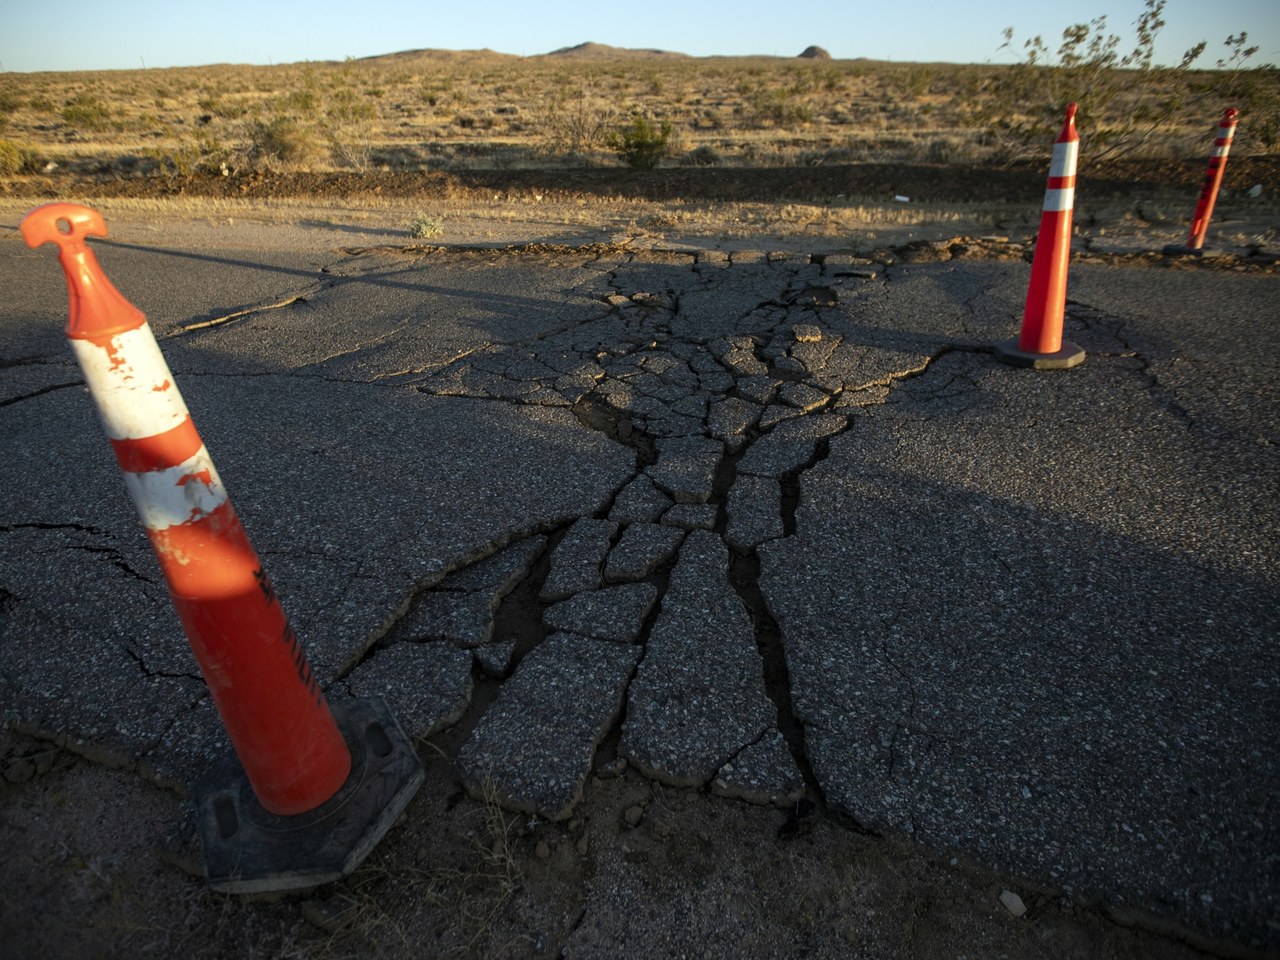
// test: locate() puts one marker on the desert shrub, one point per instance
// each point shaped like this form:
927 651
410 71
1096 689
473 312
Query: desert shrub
916 81
1255 92
641 143
303 101
349 124
202 154
284 141
425 226
779 108
86 111
16 158
220 106
703 156
577 123
1127 102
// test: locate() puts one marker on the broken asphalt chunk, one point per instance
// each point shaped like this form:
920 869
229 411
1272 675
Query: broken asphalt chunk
639 502
578 559
762 773
642 549
698 696
686 467
427 686
790 445
755 512
534 746
612 613
691 516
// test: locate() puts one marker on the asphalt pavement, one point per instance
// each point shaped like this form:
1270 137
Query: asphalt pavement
765 524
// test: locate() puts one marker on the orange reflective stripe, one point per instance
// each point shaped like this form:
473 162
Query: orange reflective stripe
164 450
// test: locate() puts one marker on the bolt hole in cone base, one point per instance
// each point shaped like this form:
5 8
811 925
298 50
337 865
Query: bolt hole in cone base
249 850
1069 356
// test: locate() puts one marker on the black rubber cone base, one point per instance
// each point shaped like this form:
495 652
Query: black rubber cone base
248 850
1069 356
1181 250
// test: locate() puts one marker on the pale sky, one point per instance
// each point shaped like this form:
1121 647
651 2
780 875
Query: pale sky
126 34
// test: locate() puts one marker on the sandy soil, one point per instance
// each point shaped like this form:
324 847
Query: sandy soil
100 865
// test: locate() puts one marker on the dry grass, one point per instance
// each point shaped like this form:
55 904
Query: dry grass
389 908
433 110
463 219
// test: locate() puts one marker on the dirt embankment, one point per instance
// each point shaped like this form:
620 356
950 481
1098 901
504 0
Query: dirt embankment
927 183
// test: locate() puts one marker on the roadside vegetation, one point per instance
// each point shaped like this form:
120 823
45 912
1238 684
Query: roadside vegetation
440 110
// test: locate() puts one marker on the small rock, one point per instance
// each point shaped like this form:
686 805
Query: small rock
582 845
614 768
542 851
495 658
329 915
1013 903
633 815
19 770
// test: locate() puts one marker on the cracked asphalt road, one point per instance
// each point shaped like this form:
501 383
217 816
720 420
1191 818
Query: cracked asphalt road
762 524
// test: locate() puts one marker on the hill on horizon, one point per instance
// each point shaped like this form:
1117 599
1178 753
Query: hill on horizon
590 50
581 51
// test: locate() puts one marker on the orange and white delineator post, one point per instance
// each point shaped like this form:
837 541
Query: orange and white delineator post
1040 344
1211 186
259 677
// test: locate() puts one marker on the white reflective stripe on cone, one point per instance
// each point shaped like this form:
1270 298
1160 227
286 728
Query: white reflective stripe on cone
181 494
131 384
1064 159
1056 201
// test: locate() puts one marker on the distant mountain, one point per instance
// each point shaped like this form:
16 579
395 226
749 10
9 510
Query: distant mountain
430 53
602 51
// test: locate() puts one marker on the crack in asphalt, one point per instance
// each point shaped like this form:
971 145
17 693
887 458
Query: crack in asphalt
41 392
1098 321
625 385
230 318
643 370
116 559
626 381
622 384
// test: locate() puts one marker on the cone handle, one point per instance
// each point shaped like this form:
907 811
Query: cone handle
66 224
98 309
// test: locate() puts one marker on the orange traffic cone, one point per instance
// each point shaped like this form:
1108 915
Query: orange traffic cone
290 747
1040 344
1209 191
